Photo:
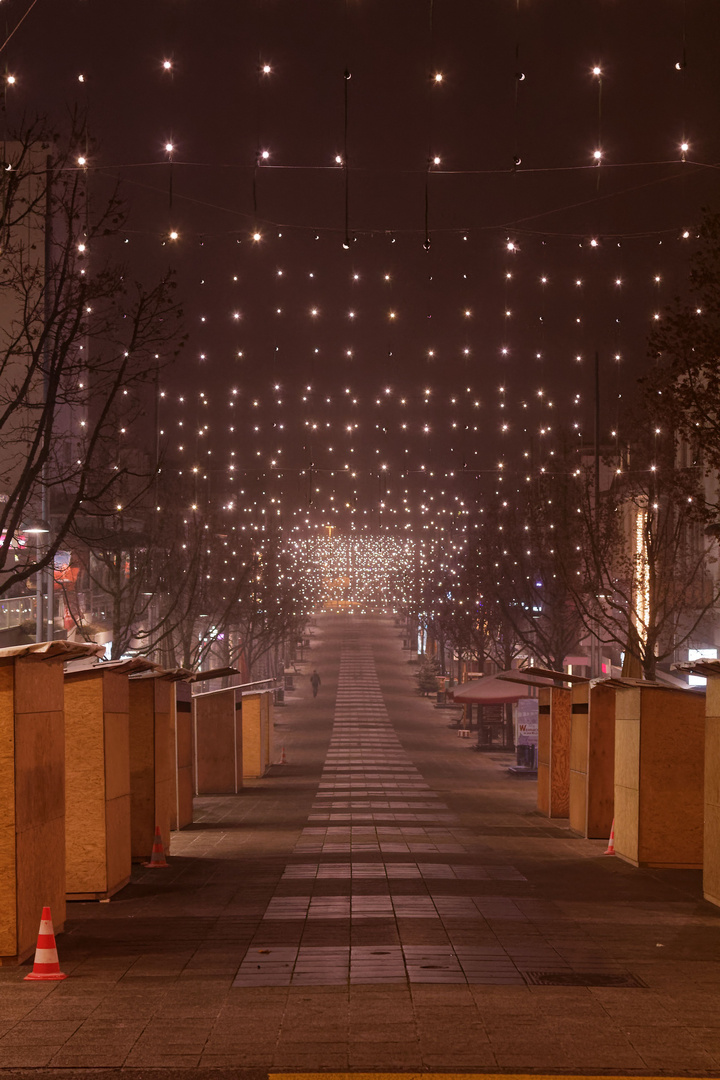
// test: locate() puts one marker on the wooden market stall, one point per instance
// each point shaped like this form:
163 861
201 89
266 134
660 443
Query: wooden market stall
32 791
710 670
659 774
97 777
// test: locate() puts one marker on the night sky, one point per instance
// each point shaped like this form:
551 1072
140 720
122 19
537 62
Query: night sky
429 319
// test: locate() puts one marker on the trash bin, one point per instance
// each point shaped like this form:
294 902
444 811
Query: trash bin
441 697
288 681
279 695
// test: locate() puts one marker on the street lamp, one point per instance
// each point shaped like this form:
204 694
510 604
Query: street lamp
38 529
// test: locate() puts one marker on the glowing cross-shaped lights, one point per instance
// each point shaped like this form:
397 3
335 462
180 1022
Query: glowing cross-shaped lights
167 65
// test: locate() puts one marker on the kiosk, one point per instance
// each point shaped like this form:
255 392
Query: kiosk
659 767
97 778
32 791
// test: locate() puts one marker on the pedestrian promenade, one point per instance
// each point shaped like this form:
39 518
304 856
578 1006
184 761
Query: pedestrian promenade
387 901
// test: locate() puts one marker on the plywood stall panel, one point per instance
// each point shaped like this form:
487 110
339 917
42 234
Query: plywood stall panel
183 809
553 798
659 776
268 707
254 741
152 763
97 783
711 839
32 792
218 742
601 762
592 759
579 725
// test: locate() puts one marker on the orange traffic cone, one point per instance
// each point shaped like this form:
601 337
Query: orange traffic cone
283 759
46 967
611 842
157 858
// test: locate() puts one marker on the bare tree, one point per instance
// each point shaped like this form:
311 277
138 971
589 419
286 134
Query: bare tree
646 581
78 341
682 389
526 548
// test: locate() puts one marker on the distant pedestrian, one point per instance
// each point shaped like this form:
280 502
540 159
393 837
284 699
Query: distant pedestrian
315 681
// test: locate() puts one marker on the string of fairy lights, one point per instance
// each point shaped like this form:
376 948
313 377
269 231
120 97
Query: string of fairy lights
383 377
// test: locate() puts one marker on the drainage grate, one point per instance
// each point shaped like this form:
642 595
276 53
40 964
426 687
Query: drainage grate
583 978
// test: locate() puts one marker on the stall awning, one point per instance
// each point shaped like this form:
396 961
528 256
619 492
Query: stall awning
505 688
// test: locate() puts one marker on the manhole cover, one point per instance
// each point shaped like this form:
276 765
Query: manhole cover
583 978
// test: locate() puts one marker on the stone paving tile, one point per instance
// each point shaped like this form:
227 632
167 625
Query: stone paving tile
26 1057
496 886
39 1033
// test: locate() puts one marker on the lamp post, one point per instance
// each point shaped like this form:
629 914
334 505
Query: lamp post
37 530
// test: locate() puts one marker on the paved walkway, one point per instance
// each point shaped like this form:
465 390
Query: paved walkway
389 900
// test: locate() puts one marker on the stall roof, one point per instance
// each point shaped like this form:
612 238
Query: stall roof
213 673
121 667
699 667
548 673
54 650
626 683
501 689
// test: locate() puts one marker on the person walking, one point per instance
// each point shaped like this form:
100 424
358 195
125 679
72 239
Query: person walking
315 681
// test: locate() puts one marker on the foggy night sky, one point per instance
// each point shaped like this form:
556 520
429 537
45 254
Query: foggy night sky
219 110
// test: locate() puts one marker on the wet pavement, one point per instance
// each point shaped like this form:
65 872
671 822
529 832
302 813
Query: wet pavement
388 900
